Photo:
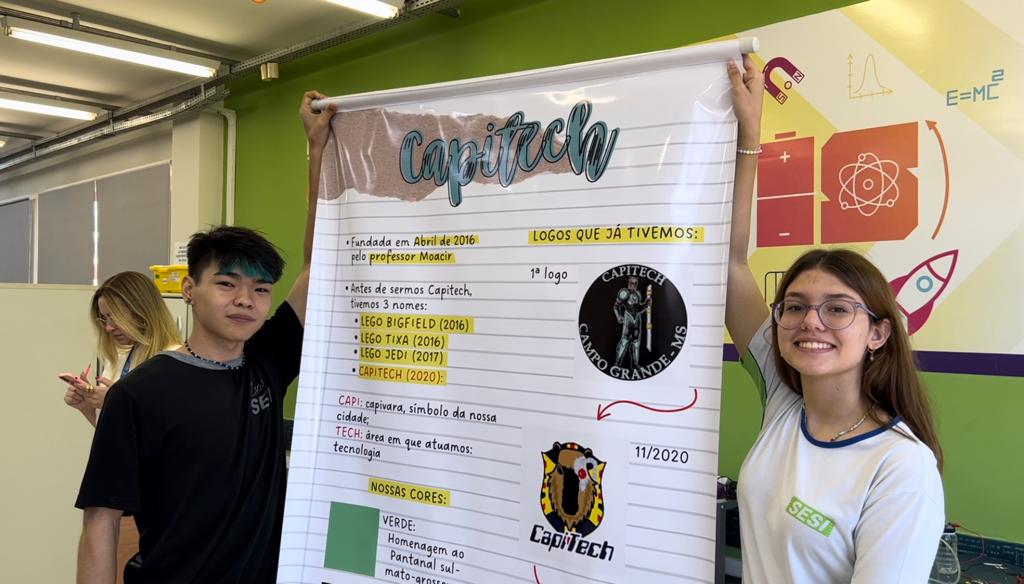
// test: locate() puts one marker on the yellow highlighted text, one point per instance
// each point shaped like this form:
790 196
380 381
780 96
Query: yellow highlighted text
430 323
402 339
403 356
390 257
617 234
403 374
408 492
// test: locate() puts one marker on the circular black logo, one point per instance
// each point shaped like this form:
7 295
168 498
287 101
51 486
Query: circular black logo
632 322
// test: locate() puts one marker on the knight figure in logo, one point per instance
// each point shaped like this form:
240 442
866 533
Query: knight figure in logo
629 307
571 496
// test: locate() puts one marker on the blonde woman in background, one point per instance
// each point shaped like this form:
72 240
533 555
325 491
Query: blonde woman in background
132 324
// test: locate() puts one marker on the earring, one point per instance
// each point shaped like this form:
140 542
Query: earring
188 301
871 354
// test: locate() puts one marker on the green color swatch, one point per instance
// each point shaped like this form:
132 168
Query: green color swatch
352 539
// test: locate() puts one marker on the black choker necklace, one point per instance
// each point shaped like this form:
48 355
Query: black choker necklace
218 363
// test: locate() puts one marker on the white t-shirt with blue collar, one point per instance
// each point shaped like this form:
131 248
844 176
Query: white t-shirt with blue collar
866 510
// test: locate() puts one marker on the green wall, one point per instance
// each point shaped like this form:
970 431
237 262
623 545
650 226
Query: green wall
977 416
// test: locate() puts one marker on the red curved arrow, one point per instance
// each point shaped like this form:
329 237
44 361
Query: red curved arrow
602 411
945 163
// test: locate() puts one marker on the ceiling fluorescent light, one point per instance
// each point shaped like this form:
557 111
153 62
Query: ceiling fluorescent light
3 143
49 110
376 8
73 44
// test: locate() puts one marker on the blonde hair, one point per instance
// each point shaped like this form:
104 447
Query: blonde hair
138 310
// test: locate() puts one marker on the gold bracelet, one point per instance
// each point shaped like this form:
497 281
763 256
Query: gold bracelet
749 151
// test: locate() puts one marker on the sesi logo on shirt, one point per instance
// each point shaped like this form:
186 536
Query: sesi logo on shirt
259 397
810 517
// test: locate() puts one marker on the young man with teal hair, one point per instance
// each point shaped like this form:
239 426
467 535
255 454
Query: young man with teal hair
191 442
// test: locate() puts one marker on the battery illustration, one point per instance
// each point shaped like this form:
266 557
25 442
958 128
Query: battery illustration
785 192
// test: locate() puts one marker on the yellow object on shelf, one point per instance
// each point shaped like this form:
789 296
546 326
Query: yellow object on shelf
168 278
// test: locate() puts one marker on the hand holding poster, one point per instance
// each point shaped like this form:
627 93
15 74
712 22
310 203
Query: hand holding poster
512 361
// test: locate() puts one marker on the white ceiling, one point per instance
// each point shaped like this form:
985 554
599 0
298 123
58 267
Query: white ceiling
233 29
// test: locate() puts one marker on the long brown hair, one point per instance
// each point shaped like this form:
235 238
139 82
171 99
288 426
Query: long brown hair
890 381
138 310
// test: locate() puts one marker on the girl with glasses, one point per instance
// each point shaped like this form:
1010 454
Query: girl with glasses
132 324
842 484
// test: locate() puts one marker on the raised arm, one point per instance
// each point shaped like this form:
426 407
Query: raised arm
318 127
745 309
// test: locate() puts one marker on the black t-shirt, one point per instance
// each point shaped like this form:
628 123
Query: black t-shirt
197 455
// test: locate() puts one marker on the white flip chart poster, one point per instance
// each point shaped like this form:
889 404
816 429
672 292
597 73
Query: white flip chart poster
512 361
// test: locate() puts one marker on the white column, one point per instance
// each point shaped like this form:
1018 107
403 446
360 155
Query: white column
197 174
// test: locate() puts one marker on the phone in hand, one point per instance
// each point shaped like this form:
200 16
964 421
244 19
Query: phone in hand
74 381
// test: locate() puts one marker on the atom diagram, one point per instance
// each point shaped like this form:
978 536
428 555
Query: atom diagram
868 184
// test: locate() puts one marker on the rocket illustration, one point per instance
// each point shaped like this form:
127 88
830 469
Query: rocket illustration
917 291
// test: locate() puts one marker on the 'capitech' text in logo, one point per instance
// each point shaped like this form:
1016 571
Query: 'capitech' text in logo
572 542
456 162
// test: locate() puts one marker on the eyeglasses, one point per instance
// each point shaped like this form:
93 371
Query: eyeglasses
103 321
834 314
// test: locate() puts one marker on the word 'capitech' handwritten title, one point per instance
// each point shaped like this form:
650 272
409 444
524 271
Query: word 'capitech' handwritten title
456 162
